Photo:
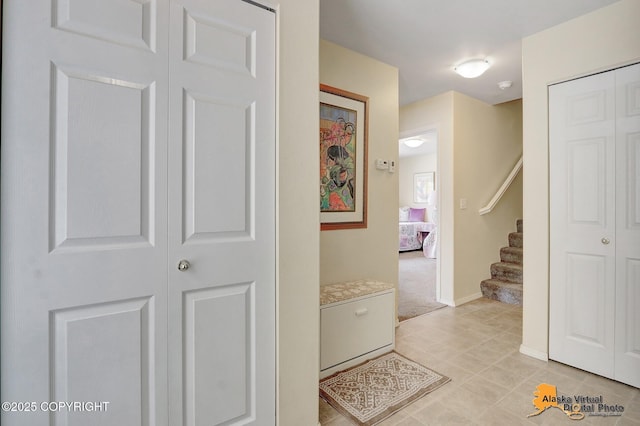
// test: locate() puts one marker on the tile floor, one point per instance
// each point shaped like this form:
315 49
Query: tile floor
476 345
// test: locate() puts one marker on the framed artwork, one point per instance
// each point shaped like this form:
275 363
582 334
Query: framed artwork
423 185
343 159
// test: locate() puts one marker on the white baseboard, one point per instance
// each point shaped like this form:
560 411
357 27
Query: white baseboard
448 302
534 353
467 299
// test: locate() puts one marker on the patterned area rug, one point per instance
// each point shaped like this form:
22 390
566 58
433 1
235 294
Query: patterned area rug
372 391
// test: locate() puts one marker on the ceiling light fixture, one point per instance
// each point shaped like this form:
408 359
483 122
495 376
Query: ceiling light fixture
413 143
472 68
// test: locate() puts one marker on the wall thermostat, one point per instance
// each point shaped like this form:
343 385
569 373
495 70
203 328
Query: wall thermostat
382 164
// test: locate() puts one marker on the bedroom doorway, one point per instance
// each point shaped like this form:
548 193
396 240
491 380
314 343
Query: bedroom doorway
417 239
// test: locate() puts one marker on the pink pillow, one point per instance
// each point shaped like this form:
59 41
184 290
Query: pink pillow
416 215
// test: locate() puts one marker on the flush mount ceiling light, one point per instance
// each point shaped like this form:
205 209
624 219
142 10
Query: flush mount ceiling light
413 143
472 68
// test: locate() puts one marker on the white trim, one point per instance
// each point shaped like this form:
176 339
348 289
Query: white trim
278 322
467 299
534 353
447 302
505 185
265 4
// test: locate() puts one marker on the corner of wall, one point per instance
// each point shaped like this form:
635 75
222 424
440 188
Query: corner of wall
298 333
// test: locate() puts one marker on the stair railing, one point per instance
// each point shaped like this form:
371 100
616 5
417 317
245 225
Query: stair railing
505 185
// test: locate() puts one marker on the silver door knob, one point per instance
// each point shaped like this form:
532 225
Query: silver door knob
183 265
605 241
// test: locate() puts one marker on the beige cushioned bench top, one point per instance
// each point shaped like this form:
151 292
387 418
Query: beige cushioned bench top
338 292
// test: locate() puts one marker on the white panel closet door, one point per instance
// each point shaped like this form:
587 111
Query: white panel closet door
627 360
122 153
582 220
84 209
222 215
595 223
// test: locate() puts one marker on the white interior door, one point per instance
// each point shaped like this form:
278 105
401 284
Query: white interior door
222 215
582 222
595 225
627 359
84 214
94 128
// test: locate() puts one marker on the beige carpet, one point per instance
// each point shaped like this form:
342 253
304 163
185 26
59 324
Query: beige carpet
374 390
416 285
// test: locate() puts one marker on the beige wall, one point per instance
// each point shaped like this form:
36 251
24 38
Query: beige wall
407 167
436 113
298 266
601 40
487 144
478 145
371 252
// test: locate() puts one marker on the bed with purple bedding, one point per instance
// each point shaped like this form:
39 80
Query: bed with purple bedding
414 228
412 234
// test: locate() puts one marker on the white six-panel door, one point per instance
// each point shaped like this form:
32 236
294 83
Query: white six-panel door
84 182
582 176
594 223
136 134
627 336
222 214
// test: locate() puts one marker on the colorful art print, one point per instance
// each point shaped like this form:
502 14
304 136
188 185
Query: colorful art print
337 153
343 163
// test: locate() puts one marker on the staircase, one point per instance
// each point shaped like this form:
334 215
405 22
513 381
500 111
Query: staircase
505 284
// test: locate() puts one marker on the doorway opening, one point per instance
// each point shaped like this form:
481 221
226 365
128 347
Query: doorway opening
418 285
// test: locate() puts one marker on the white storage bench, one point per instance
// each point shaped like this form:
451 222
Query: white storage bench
357 323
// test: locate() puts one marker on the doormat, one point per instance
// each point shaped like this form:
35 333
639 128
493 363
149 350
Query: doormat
372 391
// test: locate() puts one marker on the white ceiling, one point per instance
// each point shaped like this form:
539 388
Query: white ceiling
425 39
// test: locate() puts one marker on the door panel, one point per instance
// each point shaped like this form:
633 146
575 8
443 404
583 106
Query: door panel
219 42
84 201
218 152
627 361
586 288
222 214
631 165
118 337
582 267
102 189
588 107
127 22
206 314
585 162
